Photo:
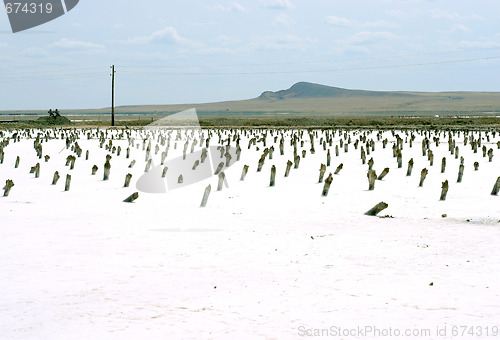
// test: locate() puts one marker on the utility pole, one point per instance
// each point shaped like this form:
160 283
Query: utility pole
113 95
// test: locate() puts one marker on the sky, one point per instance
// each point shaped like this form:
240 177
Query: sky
178 52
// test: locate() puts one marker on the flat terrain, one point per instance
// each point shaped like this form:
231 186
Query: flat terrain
258 261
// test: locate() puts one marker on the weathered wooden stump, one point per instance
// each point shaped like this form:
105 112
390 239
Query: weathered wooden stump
476 166
273 176
55 178
383 174
297 162
72 163
94 170
131 198
222 176
336 150
372 176
370 164
376 209
118 150
17 162
195 165
180 179
148 165
228 158
443 165
47 157
490 155
456 152
326 187
128 177
244 172
107 169
205 196
460 173
328 158
444 190
288 167
164 172
8 186
131 165
219 168
68 183
340 167
410 167
423 175
322 170
37 170
399 159
496 187
431 158
128 153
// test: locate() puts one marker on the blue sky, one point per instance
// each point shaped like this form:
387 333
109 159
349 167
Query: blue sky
169 52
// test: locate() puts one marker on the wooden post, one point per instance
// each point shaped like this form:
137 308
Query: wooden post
131 198
490 155
195 165
370 164
372 176
476 166
322 170
180 179
336 150
128 153
376 209
410 167
17 162
288 167
444 190
273 176
340 167
244 172
326 187
55 178
496 187
148 165
68 182
443 165
118 150
383 174
400 159
460 173
94 169
205 196
164 172
131 165
128 177
72 163
431 158
328 158
221 181
423 175
363 155
297 162
47 157
8 186
37 170
219 168
228 159
107 168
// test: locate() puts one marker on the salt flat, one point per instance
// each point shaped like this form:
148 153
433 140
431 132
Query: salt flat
266 262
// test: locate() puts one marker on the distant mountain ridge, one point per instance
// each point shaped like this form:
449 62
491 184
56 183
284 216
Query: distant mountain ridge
303 90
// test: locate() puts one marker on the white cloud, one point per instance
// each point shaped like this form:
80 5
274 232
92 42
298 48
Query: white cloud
478 44
370 37
460 28
338 21
283 20
283 42
35 52
438 13
278 4
232 7
167 35
71 44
